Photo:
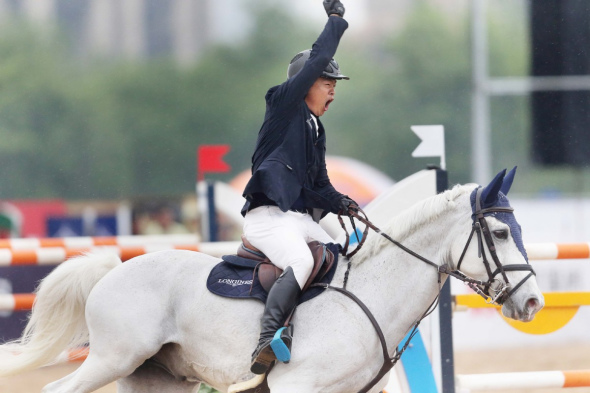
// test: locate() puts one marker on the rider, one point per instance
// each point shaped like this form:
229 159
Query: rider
290 190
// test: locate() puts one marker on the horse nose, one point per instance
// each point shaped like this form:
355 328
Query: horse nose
533 305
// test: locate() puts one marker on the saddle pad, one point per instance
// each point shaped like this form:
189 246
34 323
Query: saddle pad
234 278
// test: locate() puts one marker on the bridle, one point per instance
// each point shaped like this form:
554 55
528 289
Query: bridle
480 226
483 288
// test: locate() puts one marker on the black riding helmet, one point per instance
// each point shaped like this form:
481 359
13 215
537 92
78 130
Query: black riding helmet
332 71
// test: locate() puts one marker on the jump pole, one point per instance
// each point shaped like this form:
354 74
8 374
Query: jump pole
57 255
88 241
552 300
524 380
24 301
16 301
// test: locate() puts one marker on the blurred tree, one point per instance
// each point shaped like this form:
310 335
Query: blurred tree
97 129
115 130
52 140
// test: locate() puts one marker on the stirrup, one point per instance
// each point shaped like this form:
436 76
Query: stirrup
279 344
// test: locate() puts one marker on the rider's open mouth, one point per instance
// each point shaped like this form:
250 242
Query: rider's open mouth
328 104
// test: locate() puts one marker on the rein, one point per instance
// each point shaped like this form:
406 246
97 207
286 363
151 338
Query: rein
482 288
442 269
388 362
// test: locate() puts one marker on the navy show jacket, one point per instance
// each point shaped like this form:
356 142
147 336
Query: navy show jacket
288 164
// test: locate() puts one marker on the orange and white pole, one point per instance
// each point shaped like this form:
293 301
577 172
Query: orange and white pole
86 241
74 355
535 251
57 255
552 300
16 301
19 254
524 380
539 251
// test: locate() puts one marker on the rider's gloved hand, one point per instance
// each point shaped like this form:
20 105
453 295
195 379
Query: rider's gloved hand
347 205
334 7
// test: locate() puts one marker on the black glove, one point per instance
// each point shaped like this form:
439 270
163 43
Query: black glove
347 205
334 7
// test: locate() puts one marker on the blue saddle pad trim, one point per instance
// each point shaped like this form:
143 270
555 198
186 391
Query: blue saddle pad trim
234 278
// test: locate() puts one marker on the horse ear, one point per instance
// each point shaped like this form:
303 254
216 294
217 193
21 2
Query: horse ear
489 195
507 183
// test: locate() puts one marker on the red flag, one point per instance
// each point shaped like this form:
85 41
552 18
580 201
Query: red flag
210 159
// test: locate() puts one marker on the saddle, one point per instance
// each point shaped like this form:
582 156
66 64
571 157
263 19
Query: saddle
249 274
323 259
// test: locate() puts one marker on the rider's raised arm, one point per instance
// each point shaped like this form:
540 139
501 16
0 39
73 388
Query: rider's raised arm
294 90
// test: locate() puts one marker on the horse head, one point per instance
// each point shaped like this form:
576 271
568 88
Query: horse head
495 255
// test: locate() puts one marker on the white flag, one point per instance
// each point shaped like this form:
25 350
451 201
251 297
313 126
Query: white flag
433 143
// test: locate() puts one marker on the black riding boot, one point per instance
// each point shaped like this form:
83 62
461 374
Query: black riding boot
282 299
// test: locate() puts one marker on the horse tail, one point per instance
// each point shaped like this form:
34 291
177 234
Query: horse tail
57 321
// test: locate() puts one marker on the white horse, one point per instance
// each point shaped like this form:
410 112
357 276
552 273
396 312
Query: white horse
156 307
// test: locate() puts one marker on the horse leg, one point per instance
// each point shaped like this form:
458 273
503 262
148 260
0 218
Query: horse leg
149 378
56 385
99 369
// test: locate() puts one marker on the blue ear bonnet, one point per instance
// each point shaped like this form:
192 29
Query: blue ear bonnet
507 218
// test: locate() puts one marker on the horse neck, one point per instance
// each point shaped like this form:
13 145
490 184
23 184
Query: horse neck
396 286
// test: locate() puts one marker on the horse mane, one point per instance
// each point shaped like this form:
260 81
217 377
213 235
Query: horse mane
408 221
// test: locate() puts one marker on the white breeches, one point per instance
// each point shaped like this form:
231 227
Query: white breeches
283 238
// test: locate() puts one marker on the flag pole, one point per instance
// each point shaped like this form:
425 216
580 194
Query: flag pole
209 160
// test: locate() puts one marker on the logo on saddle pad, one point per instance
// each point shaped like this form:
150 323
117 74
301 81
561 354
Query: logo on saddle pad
234 283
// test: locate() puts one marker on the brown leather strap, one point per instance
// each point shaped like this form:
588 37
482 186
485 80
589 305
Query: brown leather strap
364 220
387 361
323 261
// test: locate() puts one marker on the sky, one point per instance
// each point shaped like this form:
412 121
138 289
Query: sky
230 19
355 10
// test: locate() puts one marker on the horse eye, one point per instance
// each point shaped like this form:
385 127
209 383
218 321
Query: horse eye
501 234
